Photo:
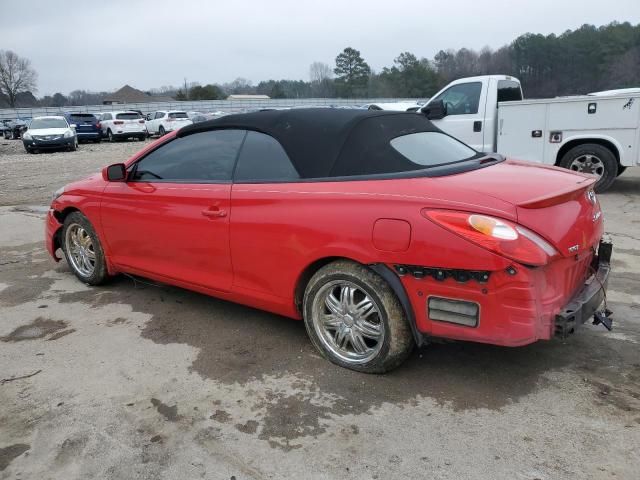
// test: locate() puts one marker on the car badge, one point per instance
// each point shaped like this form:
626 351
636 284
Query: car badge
574 248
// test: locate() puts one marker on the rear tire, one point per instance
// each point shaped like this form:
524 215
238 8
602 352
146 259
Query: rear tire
355 320
161 131
110 136
83 250
595 159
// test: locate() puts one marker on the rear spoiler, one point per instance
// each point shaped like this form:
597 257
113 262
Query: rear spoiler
561 196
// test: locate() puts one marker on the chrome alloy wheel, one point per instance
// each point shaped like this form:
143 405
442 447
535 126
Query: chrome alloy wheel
348 322
588 164
80 249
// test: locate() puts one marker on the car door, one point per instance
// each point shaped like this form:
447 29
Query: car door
261 240
105 123
170 219
151 123
465 113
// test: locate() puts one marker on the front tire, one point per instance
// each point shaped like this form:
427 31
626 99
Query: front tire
161 131
355 320
83 250
595 159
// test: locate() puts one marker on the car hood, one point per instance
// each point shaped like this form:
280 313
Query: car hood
48 131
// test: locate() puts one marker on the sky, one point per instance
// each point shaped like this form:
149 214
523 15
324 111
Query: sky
100 46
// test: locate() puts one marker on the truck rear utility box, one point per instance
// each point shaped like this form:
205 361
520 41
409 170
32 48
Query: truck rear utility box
543 130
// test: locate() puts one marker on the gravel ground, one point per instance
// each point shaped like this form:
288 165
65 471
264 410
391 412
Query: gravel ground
32 178
134 381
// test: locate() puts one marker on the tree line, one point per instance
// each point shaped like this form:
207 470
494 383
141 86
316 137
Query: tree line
587 59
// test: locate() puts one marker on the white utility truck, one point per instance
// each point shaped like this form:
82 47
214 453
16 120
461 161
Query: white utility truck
598 134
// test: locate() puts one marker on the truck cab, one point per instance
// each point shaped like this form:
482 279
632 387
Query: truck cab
471 108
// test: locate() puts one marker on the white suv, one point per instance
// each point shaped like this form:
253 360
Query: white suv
117 125
164 121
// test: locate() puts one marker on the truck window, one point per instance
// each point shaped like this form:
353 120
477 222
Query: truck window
509 91
462 99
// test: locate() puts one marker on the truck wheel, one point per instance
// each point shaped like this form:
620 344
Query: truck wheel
355 320
594 159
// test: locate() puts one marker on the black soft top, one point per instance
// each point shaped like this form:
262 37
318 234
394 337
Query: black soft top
330 142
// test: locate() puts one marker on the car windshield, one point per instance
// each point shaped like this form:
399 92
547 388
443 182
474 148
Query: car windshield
128 116
40 123
178 115
429 149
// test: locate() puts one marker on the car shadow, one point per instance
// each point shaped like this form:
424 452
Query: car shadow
238 344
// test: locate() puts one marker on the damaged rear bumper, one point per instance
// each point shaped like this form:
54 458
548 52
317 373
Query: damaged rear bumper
585 303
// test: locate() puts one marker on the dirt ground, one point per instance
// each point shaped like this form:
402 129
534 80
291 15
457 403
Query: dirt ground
135 381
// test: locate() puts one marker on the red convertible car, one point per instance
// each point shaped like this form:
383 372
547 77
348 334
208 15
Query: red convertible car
376 228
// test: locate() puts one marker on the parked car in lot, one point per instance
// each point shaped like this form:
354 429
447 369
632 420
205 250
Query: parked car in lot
4 126
165 121
49 133
13 129
87 126
376 228
122 125
204 117
394 106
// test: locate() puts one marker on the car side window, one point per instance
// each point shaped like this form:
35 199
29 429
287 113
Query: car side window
205 157
106 116
462 99
262 159
159 114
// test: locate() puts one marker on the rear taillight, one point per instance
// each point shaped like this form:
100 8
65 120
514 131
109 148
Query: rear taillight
140 121
497 235
118 122
98 126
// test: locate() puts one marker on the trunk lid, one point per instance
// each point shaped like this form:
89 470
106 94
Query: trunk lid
555 203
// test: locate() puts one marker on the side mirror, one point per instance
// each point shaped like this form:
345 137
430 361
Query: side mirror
148 116
73 125
115 173
435 110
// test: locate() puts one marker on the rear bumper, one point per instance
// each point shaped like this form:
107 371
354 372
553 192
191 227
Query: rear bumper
129 134
89 135
586 302
516 306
